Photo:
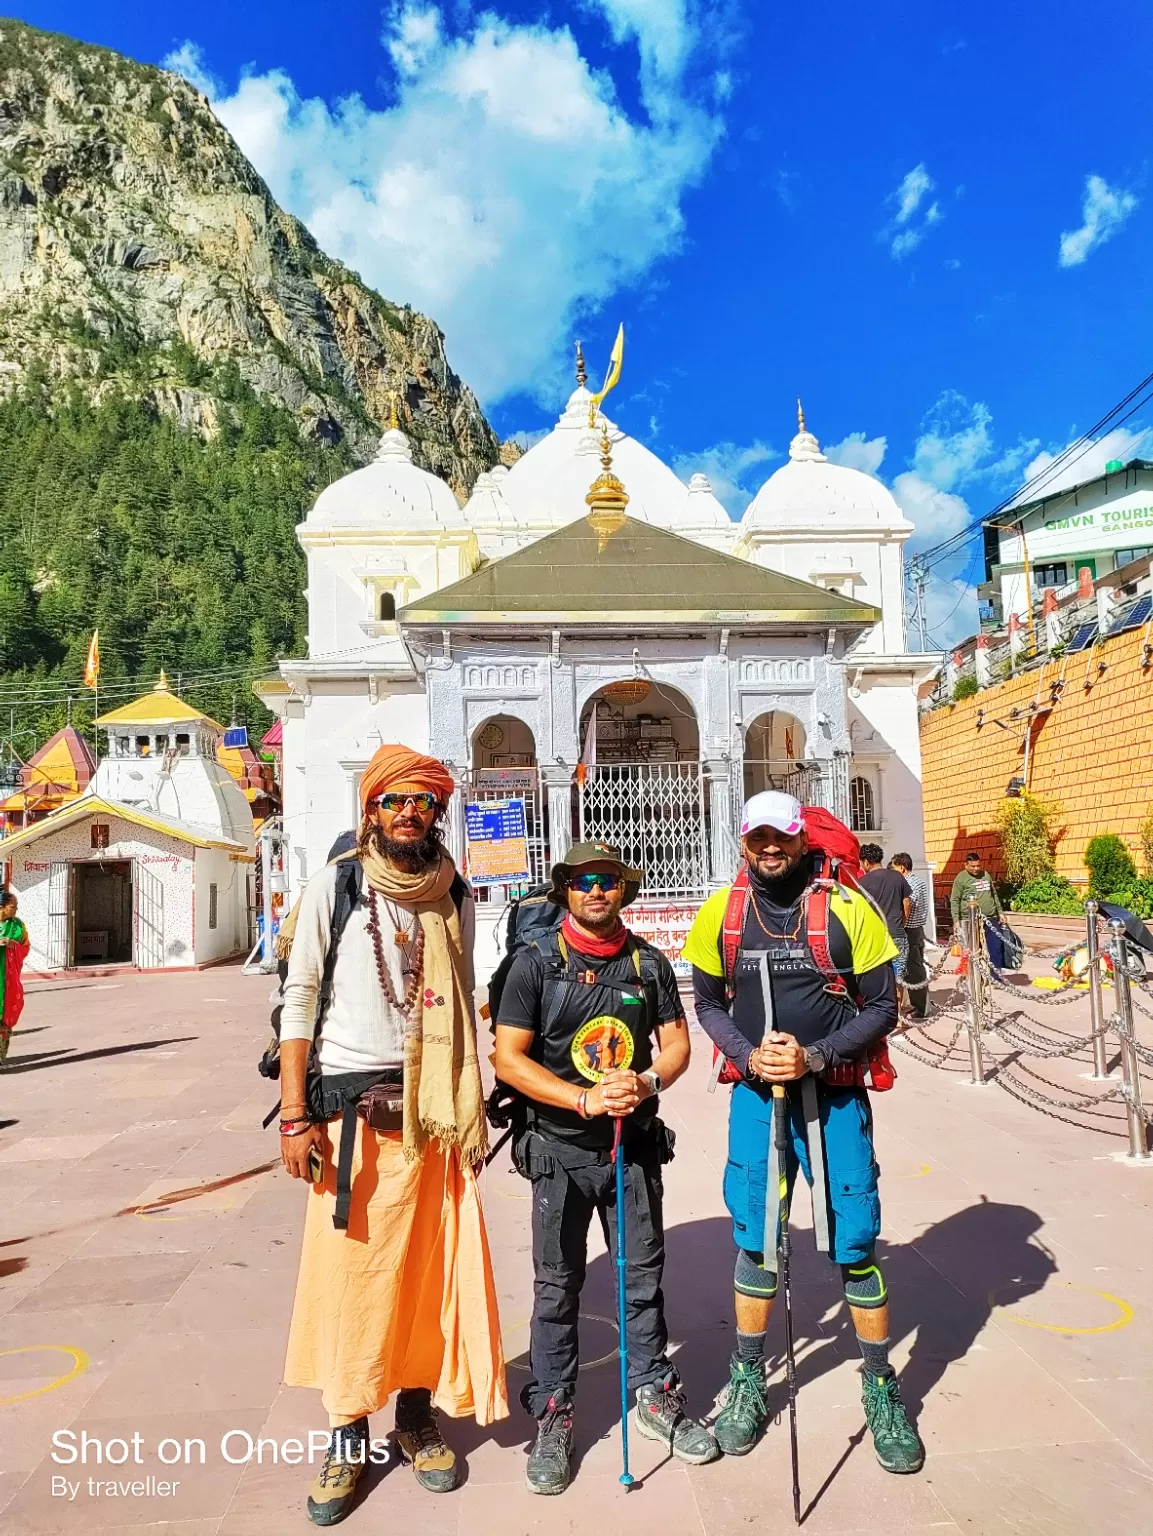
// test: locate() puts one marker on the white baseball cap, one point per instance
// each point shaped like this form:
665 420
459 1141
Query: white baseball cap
772 808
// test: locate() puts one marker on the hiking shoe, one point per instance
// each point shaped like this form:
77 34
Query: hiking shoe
745 1414
334 1491
660 1414
548 1462
897 1443
422 1443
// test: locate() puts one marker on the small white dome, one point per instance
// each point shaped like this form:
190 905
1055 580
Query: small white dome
389 492
810 492
486 507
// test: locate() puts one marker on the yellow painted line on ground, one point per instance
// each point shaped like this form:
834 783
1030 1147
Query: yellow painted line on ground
922 1172
80 1363
1124 1316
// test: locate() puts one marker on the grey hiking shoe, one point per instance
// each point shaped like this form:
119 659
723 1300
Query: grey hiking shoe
897 1443
548 1462
660 1415
746 1412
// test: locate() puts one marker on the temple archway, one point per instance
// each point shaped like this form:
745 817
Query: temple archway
639 784
504 767
775 756
503 741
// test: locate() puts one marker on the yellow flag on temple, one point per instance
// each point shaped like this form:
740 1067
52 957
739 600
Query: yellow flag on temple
92 665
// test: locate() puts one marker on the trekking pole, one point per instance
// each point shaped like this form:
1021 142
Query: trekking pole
619 1164
784 1250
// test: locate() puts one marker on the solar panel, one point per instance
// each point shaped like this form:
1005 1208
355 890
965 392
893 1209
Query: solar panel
1083 637
1133 617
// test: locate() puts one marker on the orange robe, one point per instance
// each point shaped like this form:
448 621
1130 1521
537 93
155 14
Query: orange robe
405 1297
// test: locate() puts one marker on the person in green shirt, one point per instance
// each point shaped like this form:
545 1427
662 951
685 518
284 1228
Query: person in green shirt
975 880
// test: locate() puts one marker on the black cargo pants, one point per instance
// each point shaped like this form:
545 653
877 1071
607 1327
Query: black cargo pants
565 1195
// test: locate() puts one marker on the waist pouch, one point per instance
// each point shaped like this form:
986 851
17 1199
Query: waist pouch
536 1155
376 1097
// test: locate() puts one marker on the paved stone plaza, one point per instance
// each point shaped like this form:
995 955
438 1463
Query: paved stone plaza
1017 1250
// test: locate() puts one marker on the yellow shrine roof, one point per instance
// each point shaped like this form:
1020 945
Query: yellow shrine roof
160 707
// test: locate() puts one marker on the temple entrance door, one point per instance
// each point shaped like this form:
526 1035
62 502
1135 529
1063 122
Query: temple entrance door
775 758
640 785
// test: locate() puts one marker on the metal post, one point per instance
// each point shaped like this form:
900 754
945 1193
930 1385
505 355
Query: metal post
268 955
973 936
1096 1012
1130 1066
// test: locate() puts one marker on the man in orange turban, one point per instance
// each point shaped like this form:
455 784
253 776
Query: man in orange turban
395 1291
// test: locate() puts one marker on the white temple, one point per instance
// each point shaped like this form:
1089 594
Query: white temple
457 630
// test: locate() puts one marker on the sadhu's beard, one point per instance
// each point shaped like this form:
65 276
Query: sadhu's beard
413 858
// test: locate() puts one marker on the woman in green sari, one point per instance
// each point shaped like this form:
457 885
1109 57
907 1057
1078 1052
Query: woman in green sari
13 952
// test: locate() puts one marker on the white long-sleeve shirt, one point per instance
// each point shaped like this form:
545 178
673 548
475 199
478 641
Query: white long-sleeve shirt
361 1031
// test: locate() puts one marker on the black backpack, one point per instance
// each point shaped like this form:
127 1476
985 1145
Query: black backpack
349 886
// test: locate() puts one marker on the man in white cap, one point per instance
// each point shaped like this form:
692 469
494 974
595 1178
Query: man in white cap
793 982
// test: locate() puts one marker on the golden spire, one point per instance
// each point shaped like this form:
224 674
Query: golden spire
800 415
393 420
582 377
162 680
607 497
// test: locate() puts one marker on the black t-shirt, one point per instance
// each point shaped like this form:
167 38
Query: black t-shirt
594 1027
802 1005
889 889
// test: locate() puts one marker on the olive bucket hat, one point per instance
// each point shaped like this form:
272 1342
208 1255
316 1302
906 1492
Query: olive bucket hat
593 853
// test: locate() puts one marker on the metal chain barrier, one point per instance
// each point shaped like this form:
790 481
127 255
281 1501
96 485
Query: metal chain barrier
980 981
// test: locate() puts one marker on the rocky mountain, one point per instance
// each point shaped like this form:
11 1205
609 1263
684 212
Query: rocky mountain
137 244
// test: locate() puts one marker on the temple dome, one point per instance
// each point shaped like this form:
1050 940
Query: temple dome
547 486
390 492
810 492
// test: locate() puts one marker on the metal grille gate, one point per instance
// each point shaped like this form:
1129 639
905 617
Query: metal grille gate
59 890
149 918
655 814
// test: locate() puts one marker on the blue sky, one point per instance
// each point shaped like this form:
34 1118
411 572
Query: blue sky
931 224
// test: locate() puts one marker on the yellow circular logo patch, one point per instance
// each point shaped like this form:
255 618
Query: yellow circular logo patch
600 1045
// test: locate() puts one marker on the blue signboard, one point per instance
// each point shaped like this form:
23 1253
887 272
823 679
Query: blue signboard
497 841
236 736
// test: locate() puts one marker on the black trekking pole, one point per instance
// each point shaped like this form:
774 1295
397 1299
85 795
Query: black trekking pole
784 1249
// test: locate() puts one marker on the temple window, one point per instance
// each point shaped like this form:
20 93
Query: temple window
862 812
386 607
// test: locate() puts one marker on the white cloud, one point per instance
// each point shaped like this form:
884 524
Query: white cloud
1104 210
950 611
1122 443
506 189
935 513
736 472
910 224
858 452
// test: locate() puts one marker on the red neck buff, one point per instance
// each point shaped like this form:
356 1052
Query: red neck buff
598 949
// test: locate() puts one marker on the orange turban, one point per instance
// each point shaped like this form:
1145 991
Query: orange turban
396 767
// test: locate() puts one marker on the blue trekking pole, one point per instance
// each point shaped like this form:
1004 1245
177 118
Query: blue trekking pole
619 1164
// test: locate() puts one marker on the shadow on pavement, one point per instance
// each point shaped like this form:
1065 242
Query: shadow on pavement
66 1058
943 1286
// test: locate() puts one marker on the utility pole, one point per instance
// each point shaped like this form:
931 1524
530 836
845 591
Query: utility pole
918 578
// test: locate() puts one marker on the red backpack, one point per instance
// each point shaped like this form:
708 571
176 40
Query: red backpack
836 865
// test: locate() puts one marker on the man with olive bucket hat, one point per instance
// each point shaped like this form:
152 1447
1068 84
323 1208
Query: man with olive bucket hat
574 1030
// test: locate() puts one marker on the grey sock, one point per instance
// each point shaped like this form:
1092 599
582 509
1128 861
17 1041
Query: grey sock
751 1347
875 1354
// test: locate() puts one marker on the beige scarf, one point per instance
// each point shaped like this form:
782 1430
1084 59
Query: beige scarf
443 1096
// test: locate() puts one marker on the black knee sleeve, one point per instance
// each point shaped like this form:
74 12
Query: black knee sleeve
864 1283
750 1278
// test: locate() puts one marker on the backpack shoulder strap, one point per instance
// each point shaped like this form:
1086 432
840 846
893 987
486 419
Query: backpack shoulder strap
818 915
733 925
349 885
458 890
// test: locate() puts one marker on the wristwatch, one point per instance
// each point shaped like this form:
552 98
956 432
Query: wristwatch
815 1060
653 1079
